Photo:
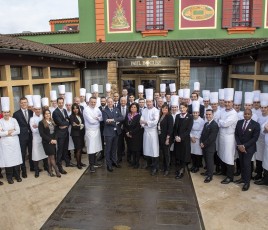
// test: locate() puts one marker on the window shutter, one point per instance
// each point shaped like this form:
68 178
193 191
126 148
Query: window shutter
257 12
140 15
227 13
169 15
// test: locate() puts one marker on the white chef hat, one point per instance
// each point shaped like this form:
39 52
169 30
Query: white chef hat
214 97
61 89
53 95
195 106
180 92
186 93
197 86
45 101
264 99
256 96
83 92
249 97
95 88
238 97
162 87
88 96
36 101
149 94
228 94
29 99
206 94
172 87
108 87
5 104
221 94
68 98
140 88
174 100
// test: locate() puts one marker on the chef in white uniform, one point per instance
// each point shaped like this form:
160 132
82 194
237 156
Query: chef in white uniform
53 100
227 144
95 93
221 99
108 88
256 103
93 117
262 119
83 92
38 152
68 105
9 143
197 90
140 93
148 121
195 134
163 91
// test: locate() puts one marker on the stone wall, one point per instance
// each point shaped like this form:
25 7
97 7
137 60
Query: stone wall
112 75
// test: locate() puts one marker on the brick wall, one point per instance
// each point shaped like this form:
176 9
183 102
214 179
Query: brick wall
184 73
112 75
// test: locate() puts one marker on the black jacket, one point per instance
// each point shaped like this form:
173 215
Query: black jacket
45 133
166 126
75 130
61 121
201 110
209 136
25 130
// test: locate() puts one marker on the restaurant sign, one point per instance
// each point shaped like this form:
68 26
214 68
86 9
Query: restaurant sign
148 62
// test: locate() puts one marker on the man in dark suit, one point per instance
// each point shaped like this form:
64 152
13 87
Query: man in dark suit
116 100
111 118
61 119
194 97
23 116
121 138
247 132
102 108
208 144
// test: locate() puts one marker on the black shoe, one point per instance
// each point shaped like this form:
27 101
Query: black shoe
227 180
208 179
237 173
83 165
116 165
195 170
260 182
62 171
70 165
18 179
257 177
92 169
110 169
203 173
1 183
79 166
154 171
179 175
24 175
239 181
245 187
166 173
97 165
10 181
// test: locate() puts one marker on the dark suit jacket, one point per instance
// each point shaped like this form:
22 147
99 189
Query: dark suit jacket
209 136
183 128
25 130
75 130
60 121
102 122
166 126
109 127
249 137
118 104
81 109
45 133
201 110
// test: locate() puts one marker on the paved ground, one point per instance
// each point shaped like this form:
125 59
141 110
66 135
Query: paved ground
128 199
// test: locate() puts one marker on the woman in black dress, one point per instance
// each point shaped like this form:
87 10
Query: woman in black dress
165 130
182 128
46 129
77 133
134 133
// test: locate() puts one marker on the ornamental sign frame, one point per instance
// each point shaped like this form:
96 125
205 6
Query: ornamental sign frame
147 62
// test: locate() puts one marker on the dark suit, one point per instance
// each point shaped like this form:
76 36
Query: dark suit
208 138
63 136
25 137
248 138
201 110
117 104
166 129
101 130
182 128
111 132
77 134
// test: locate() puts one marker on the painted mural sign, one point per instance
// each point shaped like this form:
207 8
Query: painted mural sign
119 14
198 16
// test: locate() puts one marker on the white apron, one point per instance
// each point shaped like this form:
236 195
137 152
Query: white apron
93 140
150 142
38 152
196 132
71 142
265 155
10 145
261 141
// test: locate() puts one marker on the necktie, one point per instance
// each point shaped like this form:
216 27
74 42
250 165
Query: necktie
123 111
115 104
111 110
244 126
62 111
26 115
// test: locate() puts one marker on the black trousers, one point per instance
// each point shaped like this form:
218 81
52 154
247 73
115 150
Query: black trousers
111 148
227 170
209 160
259 168
62 150
245 165
121 146
25 145
165 155
196 160
155 163
92 159
13 170
136 158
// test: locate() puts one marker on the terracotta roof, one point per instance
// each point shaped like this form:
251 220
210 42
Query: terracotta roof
19 45
43 33
64 20
171 48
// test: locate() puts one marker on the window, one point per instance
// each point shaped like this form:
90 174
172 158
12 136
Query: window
39 90
243 85
263 86
95 76
69 87
37 72
57 73
17 94
154 15
243 69
264 67
16 72
241 13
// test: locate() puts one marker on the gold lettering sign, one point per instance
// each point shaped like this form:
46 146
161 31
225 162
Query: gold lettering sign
198 12
145 63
